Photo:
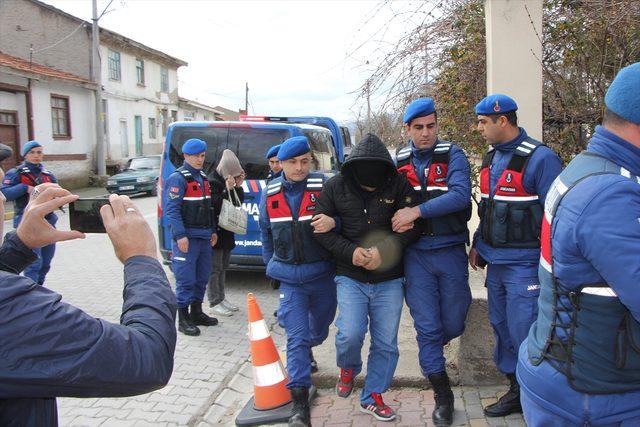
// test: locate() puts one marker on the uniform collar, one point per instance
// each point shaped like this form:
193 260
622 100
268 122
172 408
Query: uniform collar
291 185
616 149
33 166
511 145
423 153
191 169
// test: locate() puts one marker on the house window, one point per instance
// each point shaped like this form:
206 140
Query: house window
152 128
164 79
114 65
140 71
60 119
189 116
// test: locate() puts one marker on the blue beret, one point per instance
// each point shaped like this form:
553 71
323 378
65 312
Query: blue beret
496 104
29 146
293 147
273 151
623 95
419 108
194 146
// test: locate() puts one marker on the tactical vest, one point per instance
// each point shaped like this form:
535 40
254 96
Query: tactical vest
584 332
436 186
29 178
293 241
512 217
197 209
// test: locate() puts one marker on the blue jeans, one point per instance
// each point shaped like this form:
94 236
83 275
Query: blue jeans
361 304
512 291
548 400
438 295
306 312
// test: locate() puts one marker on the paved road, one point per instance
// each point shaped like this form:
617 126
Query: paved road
88 275
212 379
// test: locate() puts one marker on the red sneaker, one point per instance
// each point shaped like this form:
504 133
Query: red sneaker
344 387
378 408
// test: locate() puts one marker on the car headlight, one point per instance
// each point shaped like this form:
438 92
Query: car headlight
111 182
143 179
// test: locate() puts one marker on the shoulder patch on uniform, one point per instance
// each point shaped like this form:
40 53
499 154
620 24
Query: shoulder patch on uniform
403 154
274 188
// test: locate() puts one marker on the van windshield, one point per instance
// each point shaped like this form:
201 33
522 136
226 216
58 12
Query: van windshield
249 144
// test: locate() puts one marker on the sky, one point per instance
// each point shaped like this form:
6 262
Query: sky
298 57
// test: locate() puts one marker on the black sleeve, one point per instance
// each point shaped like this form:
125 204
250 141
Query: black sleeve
341 247
51 348
14 255
397 242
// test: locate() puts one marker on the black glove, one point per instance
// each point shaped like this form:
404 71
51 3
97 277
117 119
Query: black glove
275 284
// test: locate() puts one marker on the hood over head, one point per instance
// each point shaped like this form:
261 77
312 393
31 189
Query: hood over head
369 163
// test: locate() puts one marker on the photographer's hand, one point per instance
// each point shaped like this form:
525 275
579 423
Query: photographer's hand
34 230
129 232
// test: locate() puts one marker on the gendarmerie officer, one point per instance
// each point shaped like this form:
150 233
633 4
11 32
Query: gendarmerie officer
192 223
516 174
580 364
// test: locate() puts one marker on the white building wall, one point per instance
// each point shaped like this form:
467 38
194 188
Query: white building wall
127 99
82 118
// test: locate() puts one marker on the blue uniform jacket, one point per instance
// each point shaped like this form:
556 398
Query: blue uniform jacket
289 273
273 175
543 167
14 190
456 199
596 233
175 187
50 348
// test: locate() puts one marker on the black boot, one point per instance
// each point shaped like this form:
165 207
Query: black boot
184 323
443 413
507 404
199 318
314 364
301 414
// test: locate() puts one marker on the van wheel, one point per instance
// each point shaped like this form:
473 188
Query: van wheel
154 192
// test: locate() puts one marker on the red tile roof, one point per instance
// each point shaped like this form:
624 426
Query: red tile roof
31 67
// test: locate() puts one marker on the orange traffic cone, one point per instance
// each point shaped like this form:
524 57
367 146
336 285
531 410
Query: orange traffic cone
271 401
269 376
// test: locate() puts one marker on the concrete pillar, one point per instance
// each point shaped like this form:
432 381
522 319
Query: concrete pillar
514 51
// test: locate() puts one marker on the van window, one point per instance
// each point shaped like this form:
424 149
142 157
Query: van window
321 144
216 139
251 145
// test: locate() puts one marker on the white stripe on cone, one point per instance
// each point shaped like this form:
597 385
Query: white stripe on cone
268 375
258 330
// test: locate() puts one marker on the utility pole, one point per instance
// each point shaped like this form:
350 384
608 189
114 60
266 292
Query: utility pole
246 98
368 89
96 76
